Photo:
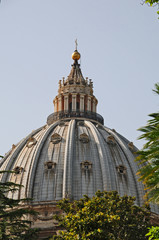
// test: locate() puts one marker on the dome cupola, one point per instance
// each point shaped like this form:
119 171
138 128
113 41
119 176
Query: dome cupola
75 96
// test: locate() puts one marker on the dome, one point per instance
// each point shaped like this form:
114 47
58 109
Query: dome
74 153
73 157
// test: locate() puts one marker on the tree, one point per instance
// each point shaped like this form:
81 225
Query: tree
149 155
105 216
152 3
13 217
153 233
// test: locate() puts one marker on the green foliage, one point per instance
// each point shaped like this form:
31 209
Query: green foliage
153 233
152 3
149 155
13 217
105 216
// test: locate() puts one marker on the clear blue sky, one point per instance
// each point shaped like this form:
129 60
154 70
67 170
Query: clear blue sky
118 41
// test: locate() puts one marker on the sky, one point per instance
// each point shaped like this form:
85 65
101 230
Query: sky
118 42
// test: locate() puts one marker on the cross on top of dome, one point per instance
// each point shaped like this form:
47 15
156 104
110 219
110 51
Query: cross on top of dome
76 55
76 43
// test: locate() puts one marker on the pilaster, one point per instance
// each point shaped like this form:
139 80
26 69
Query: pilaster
60 103
89 103
74 95
65 102
82 102
94 105
55 105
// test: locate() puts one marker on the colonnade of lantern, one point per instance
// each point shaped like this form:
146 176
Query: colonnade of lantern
75 102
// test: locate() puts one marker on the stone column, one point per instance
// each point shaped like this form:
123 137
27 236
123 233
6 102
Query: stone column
94 105
82 102
55 105
60 103
89 103
65 102
74 102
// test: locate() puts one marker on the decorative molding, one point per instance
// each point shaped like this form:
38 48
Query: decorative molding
111 140
84 138
18 170
56 138
31 142
86 165
121 169
13 147
131 146
49 165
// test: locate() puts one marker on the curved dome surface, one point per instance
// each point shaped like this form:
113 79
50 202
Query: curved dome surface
74 153
71 158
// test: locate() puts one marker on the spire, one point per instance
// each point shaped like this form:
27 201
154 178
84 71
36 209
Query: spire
75 95
76 74
76 77
76 43
76 55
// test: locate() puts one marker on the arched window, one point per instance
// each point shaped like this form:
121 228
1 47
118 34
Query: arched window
70 103
77 106
70 106
78 102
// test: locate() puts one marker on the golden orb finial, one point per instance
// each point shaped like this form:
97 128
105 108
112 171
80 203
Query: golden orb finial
76 55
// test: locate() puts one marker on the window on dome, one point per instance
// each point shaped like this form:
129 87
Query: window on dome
18 170
86 165
84 138
56 138
49 165
31 142
121 169
111 140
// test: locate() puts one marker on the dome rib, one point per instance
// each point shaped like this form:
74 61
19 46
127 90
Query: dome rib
30 183
67 178
109 158
60 164
28 162
102 155
135 188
